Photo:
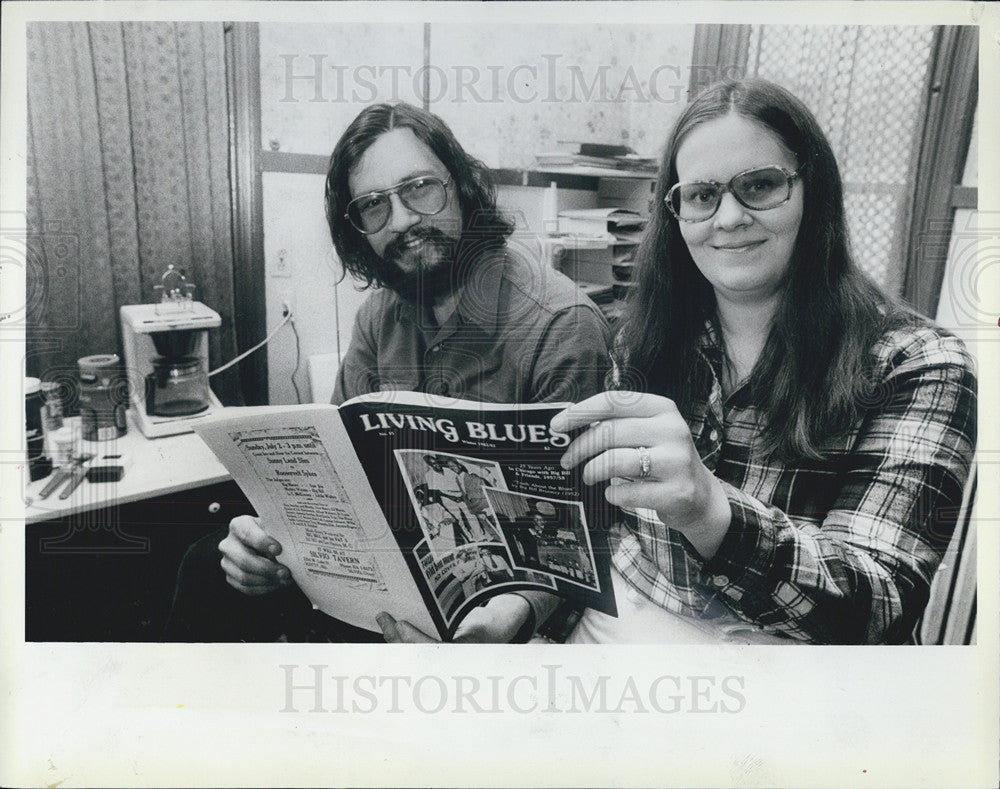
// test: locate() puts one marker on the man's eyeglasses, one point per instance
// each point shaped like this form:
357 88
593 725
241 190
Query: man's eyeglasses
758 189
426 195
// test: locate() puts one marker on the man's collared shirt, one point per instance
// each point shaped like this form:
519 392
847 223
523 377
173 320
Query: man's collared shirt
519 333
835 551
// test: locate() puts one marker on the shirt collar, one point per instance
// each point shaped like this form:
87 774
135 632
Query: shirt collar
710 344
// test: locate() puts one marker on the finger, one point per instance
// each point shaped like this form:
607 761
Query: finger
624 462
249 562
252 591
246 584
628 494
248 579
405 633
247 529
627 432
280 576
610 405
390 632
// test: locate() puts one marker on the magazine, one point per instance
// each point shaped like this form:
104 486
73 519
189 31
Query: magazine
399 502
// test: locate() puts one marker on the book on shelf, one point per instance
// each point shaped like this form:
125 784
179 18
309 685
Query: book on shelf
399 502
601 155
554 159
633 161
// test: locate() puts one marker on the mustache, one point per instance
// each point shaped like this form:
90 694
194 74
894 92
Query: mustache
398 246
426 284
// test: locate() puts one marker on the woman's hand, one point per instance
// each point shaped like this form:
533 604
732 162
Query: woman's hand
497 622
624 429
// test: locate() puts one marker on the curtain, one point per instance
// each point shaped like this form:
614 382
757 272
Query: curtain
128 172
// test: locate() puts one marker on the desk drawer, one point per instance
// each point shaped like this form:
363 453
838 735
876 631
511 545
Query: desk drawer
108 575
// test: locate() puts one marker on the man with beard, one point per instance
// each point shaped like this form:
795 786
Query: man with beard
454 312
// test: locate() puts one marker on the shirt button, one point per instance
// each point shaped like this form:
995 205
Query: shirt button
721 580
435 348
714 435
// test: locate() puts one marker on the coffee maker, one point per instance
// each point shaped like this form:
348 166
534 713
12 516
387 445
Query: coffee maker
166 356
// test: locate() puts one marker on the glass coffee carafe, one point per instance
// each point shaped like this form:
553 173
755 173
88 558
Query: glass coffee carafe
178 384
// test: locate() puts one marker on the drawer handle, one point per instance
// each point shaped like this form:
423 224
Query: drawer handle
214 507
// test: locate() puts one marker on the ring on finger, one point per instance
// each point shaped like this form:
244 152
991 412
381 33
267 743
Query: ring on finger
645 462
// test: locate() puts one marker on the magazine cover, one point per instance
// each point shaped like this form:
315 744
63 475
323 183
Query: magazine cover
478 502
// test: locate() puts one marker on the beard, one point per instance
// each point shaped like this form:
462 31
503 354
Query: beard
432 269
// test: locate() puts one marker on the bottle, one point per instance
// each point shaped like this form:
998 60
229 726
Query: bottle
52 413
38 463
550 209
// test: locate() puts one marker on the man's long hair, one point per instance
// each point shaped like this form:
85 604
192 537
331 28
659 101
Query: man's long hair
484 229
814 375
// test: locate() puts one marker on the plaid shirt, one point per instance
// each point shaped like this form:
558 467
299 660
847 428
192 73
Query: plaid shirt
835 551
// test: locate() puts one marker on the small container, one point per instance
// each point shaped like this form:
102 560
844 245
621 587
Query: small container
39 465
550 209
63 442
52 413
103 397
33 413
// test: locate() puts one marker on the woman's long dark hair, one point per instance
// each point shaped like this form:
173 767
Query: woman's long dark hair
814 373
484 225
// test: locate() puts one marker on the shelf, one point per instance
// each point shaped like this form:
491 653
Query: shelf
598 172
567 177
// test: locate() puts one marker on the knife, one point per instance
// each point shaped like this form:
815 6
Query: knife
77 475
58 476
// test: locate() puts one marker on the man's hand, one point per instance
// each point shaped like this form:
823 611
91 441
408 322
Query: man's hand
497 622
248 558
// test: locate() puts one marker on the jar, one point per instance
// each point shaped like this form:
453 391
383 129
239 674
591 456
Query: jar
52 413
103 397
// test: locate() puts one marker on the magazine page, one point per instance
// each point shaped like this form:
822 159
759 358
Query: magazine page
295 465
478 501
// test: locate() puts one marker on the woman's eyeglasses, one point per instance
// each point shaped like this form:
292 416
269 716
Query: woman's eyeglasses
425 195
758 189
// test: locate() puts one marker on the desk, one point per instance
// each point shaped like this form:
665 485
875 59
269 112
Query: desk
101 565
158 466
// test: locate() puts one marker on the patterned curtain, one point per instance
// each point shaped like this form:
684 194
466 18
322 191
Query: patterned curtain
128 171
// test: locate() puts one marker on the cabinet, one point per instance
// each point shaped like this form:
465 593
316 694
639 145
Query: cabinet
602 267
108 574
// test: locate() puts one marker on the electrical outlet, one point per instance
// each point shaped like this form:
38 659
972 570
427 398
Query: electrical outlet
282 265
287 302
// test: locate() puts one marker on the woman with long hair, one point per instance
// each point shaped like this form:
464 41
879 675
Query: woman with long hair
788 444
